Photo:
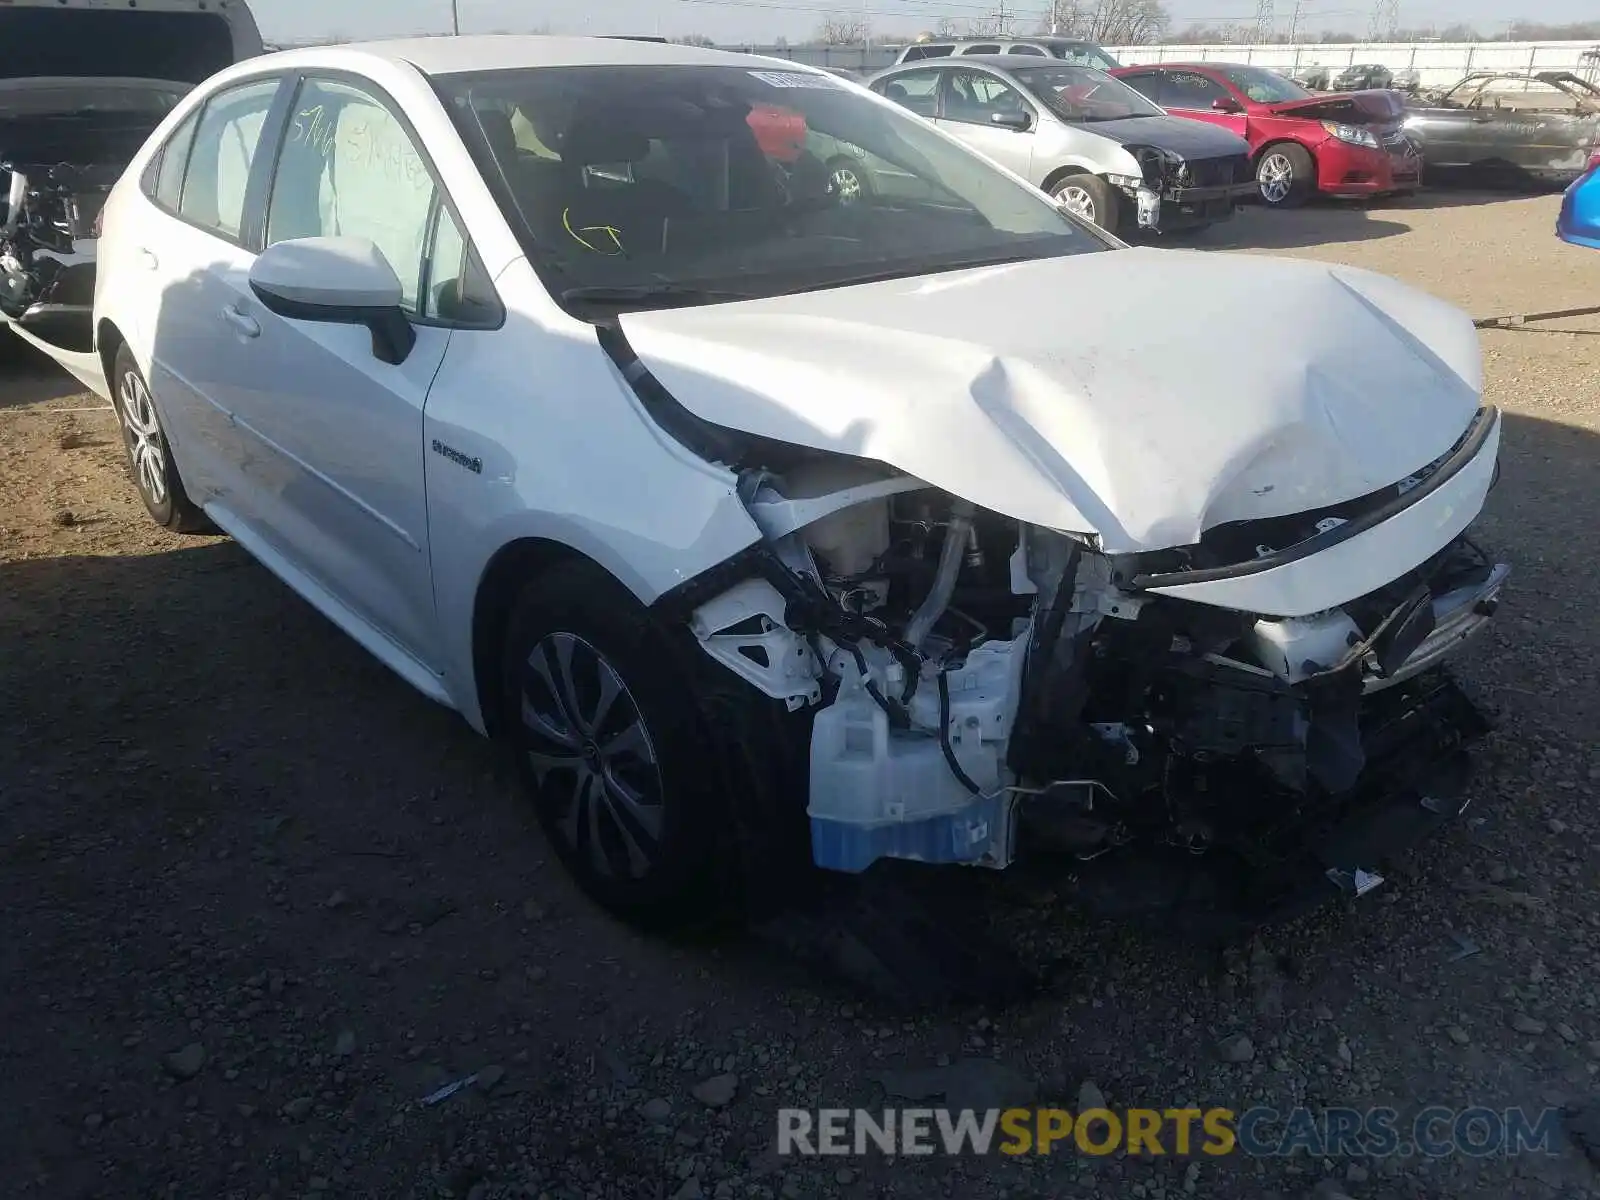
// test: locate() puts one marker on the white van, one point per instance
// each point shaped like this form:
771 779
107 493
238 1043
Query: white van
82 85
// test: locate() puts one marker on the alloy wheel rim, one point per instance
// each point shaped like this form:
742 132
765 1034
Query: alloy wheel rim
847 184
592 757
1275 178
1078 201
142 432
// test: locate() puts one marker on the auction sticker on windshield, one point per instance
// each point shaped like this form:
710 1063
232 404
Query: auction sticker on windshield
795 79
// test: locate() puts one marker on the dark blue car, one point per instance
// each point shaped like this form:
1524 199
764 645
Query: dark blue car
1579 222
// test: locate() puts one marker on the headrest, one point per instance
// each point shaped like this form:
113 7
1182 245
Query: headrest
593 141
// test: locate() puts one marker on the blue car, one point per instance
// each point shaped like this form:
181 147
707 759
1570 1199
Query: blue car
1579 222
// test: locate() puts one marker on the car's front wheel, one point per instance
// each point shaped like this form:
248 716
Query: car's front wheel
150 461
1090 198
611 746
1285 175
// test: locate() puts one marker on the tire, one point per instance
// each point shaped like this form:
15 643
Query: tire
849 181
1091 198
1285 175
150 461
626 787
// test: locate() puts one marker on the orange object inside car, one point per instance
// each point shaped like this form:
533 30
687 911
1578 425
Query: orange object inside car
780 132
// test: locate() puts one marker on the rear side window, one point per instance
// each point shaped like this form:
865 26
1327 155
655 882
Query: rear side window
916 52
221 157
916 90
1147 84
166 186
983 48
1024 48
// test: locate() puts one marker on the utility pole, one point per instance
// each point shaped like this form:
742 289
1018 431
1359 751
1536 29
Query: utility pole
1263 21
1294 20
455 17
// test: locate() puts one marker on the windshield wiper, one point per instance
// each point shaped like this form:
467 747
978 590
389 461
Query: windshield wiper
649 295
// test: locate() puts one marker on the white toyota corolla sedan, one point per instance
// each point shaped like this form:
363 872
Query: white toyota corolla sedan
777 529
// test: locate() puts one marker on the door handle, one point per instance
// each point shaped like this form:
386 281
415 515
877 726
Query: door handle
148 260
245 325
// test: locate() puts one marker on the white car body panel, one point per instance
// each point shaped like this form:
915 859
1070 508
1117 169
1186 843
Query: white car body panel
1055 392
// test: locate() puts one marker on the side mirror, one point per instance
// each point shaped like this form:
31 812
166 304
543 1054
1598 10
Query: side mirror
1020 121
339 280
1226 104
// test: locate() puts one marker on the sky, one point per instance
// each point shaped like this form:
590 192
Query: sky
764 20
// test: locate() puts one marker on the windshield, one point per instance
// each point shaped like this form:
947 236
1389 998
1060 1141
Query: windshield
1084 94
1084 54
1264 86
48 100
728 179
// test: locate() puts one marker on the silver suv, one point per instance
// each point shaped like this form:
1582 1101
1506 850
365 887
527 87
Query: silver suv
1078 53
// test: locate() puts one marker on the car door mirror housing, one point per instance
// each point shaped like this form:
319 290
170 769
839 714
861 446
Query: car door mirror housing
338 280
1019 121
1226 104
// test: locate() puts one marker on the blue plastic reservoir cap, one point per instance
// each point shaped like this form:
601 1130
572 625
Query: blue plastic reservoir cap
1579 222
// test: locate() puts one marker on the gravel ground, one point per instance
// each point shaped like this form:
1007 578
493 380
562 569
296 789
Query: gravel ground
261 898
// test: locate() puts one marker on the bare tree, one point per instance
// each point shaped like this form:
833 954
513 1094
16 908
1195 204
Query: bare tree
1127 22
842 31
696 39
945 28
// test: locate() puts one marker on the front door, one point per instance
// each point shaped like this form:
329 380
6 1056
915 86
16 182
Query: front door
972 101
1191 94
330 438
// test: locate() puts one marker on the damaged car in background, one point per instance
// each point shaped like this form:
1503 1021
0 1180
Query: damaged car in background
775 532
1099 148
82 86
1543 126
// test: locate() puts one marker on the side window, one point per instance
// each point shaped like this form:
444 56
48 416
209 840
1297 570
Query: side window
1185 89
349 169
456 289
982 48
224 147
915 90
163 177
1025 48
1146 83
975 97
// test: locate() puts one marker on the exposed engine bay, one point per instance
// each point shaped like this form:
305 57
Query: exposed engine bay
981 688
59 169
46 274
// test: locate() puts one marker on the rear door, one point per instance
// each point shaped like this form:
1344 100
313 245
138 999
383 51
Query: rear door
192 242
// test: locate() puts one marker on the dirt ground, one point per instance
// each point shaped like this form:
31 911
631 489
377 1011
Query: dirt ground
260 898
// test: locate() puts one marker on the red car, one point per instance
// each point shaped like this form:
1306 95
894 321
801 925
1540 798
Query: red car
1347 144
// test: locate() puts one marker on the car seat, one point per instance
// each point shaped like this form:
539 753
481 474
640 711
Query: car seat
625 218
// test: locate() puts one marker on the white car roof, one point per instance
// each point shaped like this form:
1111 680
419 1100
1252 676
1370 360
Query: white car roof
500 52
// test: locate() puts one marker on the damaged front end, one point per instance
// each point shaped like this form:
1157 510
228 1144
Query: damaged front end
982 689
1173 193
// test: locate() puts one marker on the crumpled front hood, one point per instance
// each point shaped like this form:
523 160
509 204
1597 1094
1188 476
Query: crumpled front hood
1142 395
